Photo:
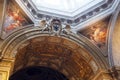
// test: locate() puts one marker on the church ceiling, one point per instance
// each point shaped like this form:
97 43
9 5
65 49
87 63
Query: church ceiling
54 49
19 13
75 12
59 54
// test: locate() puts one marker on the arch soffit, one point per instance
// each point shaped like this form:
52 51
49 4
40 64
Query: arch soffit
14 41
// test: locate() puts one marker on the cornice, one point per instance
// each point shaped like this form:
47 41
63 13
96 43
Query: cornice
27 33
104 8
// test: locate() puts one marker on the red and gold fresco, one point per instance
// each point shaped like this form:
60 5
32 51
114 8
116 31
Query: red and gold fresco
13 20
97 33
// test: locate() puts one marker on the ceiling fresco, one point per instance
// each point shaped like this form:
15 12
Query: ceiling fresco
14 19
74 17
20 13
70 36
98 33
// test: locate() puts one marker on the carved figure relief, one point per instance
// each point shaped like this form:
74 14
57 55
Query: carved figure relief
54 27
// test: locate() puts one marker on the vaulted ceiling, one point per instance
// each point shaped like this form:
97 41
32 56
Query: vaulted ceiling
73 12
59 54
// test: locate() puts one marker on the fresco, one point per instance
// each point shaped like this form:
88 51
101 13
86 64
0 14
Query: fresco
14 18
97 33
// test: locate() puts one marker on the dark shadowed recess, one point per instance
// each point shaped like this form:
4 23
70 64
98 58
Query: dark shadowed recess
38 73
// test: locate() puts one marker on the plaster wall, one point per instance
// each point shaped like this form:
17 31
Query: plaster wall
116 42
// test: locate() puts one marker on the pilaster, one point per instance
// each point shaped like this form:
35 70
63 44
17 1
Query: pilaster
5 69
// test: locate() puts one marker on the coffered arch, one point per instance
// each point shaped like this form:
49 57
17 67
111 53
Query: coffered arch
78 54
57 53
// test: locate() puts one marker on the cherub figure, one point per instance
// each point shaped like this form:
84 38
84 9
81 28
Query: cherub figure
13 20
67 29
45 26
99 35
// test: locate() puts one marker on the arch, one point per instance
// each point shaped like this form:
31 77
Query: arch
15 40
38 73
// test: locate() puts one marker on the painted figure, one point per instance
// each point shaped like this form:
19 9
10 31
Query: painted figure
12 20
99 35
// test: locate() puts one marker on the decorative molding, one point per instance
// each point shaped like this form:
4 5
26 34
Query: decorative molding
11 43
74 21
112 25
3 16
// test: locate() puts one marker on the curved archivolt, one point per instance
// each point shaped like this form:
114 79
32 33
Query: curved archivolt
67 53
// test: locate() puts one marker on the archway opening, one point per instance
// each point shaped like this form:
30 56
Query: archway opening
57 53
38 73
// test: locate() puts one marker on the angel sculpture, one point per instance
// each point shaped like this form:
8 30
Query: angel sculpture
45 26
67 29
